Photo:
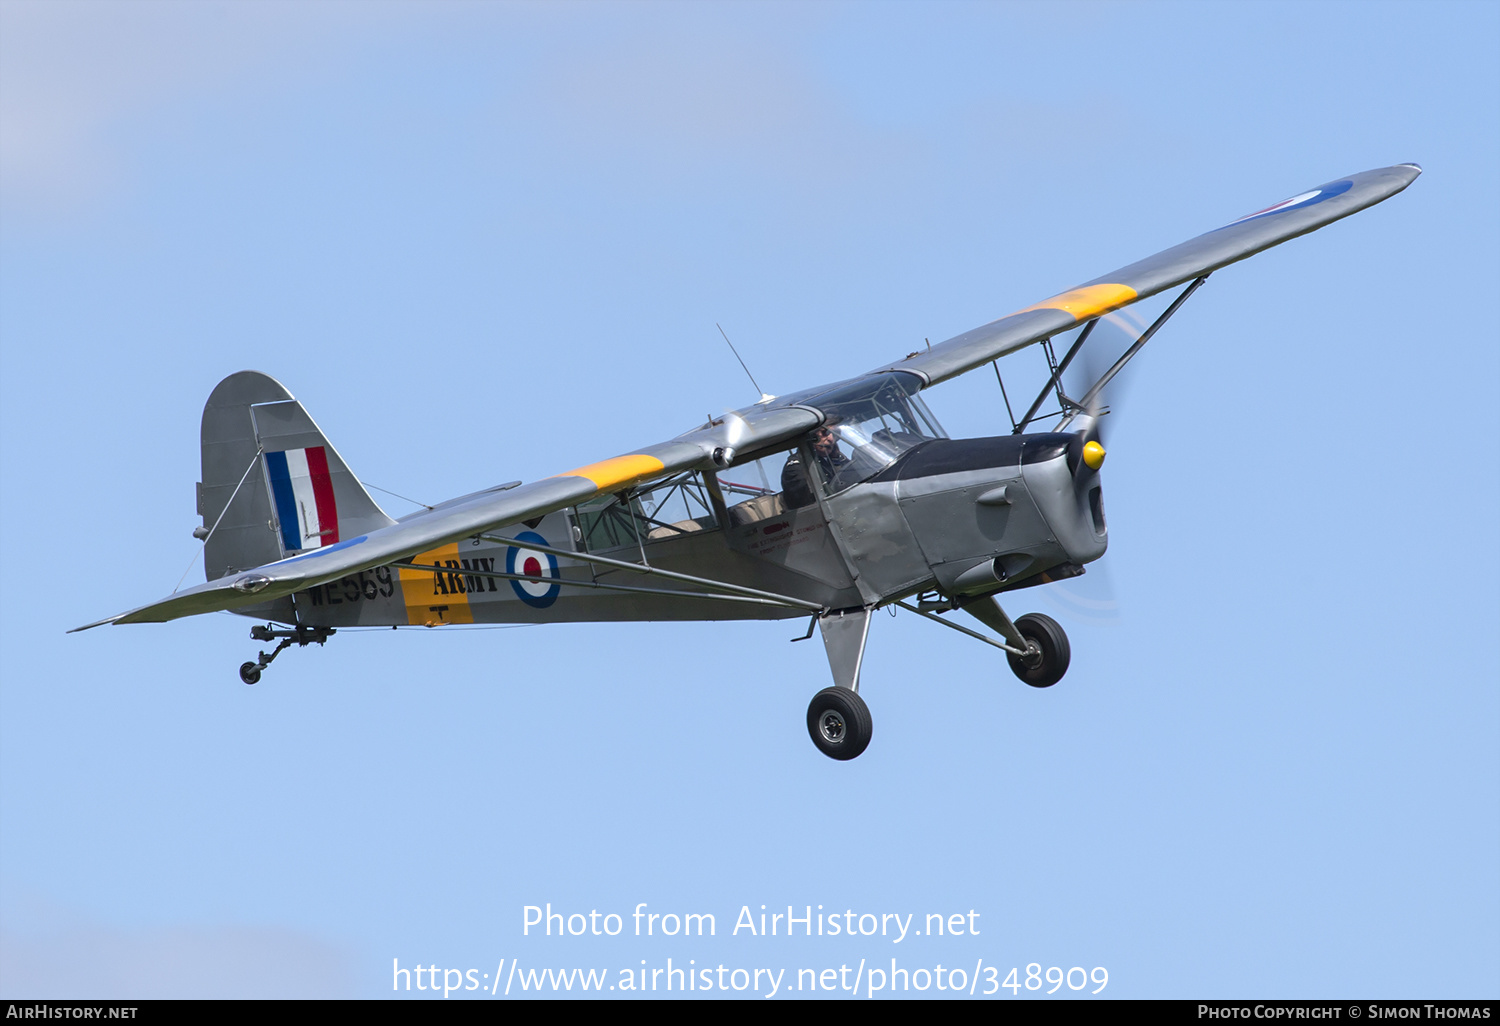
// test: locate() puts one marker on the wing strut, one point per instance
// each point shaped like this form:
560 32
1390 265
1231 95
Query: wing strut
702 582
1072 406
564 582
1057 370
1003 394
1093 393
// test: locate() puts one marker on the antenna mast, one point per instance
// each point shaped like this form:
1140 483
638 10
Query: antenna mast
765 397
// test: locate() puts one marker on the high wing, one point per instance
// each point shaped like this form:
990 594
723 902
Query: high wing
763 427
1237 240
487 511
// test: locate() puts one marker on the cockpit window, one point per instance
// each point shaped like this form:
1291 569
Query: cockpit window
753 490
868 425
669 509
869 422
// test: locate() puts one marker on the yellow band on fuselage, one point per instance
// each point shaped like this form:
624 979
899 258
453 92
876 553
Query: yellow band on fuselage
440 595
1089 301
618 471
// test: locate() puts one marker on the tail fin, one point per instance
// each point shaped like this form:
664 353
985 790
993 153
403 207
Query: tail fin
272 485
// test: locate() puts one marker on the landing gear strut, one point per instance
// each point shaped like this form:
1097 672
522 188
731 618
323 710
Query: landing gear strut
1035 644
300 636
838 719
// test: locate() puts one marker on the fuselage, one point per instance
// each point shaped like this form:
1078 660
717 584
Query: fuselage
960 517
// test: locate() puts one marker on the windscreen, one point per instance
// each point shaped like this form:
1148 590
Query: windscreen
868 424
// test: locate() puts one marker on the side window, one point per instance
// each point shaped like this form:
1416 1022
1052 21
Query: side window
605 523
796 483
675 507
763 488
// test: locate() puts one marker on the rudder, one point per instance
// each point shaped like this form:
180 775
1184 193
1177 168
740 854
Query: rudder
285 487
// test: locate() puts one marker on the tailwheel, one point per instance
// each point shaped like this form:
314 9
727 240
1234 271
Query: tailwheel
301 636
839 722
1047 651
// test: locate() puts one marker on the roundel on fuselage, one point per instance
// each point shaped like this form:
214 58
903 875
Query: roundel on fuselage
521 560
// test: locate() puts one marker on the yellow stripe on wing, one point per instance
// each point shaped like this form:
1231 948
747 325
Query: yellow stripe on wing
621 470
1089 301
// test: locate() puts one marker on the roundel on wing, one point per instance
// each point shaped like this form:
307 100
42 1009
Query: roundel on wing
521 560
1305 199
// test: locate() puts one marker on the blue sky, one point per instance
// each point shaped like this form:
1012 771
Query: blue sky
483 242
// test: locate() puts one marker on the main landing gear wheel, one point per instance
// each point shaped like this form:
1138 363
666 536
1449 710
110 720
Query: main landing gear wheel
249 673
1047 651
839 722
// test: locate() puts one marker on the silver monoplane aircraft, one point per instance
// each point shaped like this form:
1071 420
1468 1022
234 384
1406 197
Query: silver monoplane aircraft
829 503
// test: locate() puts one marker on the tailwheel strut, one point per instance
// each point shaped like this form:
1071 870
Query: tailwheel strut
299 636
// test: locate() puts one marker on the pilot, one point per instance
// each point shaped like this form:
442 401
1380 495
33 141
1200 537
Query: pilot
796 488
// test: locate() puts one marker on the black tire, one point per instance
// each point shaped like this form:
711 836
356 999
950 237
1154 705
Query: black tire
1050 661
249 673
839 723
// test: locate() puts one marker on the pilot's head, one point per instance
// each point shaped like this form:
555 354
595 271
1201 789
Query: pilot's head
824 441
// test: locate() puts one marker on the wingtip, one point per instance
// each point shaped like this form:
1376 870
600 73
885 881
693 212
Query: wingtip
96 623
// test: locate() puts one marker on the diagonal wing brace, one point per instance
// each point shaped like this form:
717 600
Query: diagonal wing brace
640 568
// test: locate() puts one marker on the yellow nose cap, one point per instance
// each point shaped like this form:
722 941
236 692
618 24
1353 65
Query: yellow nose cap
1093 455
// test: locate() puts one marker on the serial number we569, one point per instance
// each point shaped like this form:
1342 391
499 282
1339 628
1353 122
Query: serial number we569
367 585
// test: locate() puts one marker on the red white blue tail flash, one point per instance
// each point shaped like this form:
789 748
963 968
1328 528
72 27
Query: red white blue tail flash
302 493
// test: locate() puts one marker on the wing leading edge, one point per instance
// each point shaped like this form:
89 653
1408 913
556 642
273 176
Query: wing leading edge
486 511
1235 241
